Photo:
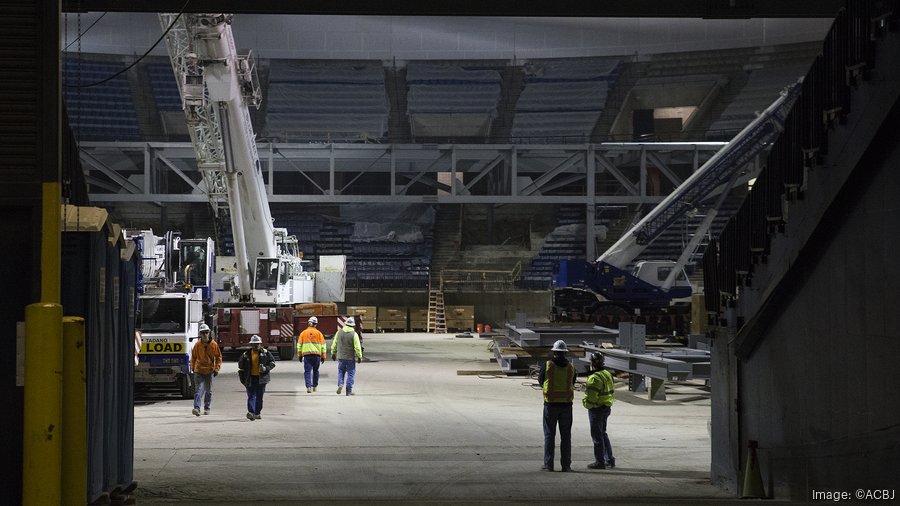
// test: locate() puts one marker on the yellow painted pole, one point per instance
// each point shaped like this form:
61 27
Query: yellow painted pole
51 243
41 438
42 417
74 414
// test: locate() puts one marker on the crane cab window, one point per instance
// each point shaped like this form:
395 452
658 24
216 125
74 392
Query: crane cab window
194 255
266 274
663 273
162 315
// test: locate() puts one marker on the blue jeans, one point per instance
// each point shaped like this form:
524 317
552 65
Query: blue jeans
603 453
203 384
311 365
255 391
560 413
349 367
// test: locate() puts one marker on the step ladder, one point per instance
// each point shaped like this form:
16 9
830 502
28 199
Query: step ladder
437 321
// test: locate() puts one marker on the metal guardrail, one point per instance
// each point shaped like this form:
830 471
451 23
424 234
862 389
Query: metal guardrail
496 278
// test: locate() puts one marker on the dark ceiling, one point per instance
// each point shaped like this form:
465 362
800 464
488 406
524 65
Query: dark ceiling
547 8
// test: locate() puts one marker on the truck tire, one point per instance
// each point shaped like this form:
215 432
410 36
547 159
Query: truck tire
286 352
186 386
609 315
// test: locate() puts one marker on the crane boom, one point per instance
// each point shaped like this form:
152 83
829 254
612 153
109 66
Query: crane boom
654 292
702 184
216 86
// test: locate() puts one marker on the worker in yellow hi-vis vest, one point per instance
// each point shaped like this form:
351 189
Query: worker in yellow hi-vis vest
557 379
599 393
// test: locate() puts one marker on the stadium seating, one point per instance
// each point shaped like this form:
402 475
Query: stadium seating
104 112
566 241
165 89
373 264
762 88
324 102
450 100
562 99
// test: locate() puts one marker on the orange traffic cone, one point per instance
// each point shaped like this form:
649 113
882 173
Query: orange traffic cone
753 485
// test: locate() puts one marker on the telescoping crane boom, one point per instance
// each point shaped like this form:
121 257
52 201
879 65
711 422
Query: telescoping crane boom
218 86
603 291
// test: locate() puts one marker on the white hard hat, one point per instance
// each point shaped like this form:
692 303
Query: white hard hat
204 327
313 320
349 322
559 346
255 339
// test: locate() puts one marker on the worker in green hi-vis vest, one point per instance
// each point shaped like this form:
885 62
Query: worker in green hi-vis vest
599 393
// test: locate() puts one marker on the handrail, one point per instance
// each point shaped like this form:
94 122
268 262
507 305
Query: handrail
502 277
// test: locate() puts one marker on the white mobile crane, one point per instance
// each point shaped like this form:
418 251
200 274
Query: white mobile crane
262 282
605 293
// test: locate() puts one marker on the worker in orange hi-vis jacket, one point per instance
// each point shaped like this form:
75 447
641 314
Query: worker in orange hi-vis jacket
311 349
206 360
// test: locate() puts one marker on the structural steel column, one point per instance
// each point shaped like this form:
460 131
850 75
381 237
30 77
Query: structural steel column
590 165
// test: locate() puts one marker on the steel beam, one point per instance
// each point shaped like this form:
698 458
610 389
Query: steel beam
543 162
674 365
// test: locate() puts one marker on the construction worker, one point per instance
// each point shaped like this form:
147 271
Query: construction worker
206 360
598 399
344 349
253 371
311 350
557 380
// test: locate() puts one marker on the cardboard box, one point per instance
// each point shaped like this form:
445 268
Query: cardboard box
460 317
418 319
392 318
368 313
316 309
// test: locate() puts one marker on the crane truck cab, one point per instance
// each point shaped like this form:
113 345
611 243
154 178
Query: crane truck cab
169 324
281 281
655 272
174 286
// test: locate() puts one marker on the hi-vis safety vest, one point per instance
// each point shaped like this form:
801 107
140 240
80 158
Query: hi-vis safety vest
599 390
558 383
311 342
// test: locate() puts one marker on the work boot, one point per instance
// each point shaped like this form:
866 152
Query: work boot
206 411
250 416
309 390
339 390
596 465
196 412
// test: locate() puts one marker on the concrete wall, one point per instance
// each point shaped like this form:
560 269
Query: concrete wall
820 392
459 37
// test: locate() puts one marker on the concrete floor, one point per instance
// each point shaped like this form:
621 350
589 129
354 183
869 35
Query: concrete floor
416 431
